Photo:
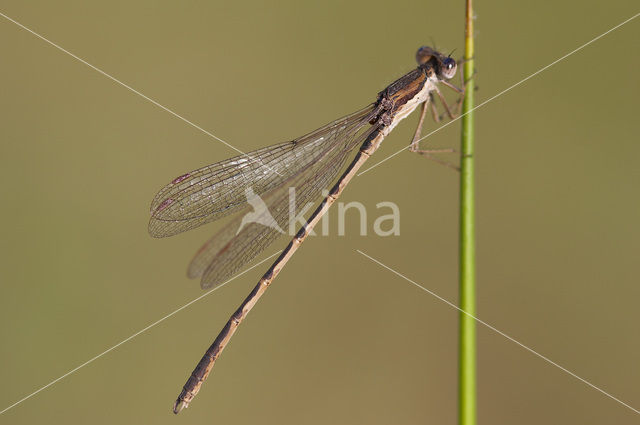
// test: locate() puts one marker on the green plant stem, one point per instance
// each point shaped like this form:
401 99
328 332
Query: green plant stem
467 339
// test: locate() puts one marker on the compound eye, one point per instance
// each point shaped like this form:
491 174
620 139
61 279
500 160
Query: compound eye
449 67
424 54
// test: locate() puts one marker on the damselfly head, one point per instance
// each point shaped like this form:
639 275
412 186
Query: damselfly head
445 66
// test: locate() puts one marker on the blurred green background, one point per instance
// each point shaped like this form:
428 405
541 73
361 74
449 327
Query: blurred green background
337 339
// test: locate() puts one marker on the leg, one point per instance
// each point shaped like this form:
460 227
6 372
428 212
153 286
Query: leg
461 91
427 154
444 103
434 110
414 146
416 137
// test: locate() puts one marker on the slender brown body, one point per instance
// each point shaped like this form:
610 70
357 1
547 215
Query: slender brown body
394 103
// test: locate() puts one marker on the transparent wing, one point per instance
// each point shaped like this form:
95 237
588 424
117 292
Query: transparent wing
214 191
245 237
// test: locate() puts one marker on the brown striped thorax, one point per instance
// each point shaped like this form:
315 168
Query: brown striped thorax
401 97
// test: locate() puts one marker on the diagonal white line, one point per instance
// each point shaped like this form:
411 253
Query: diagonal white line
114 79
91 360
505 90
499 332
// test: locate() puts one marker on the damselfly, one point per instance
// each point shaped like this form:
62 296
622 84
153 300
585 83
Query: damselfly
309 164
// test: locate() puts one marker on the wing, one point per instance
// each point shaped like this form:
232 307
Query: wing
214 191
241 241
